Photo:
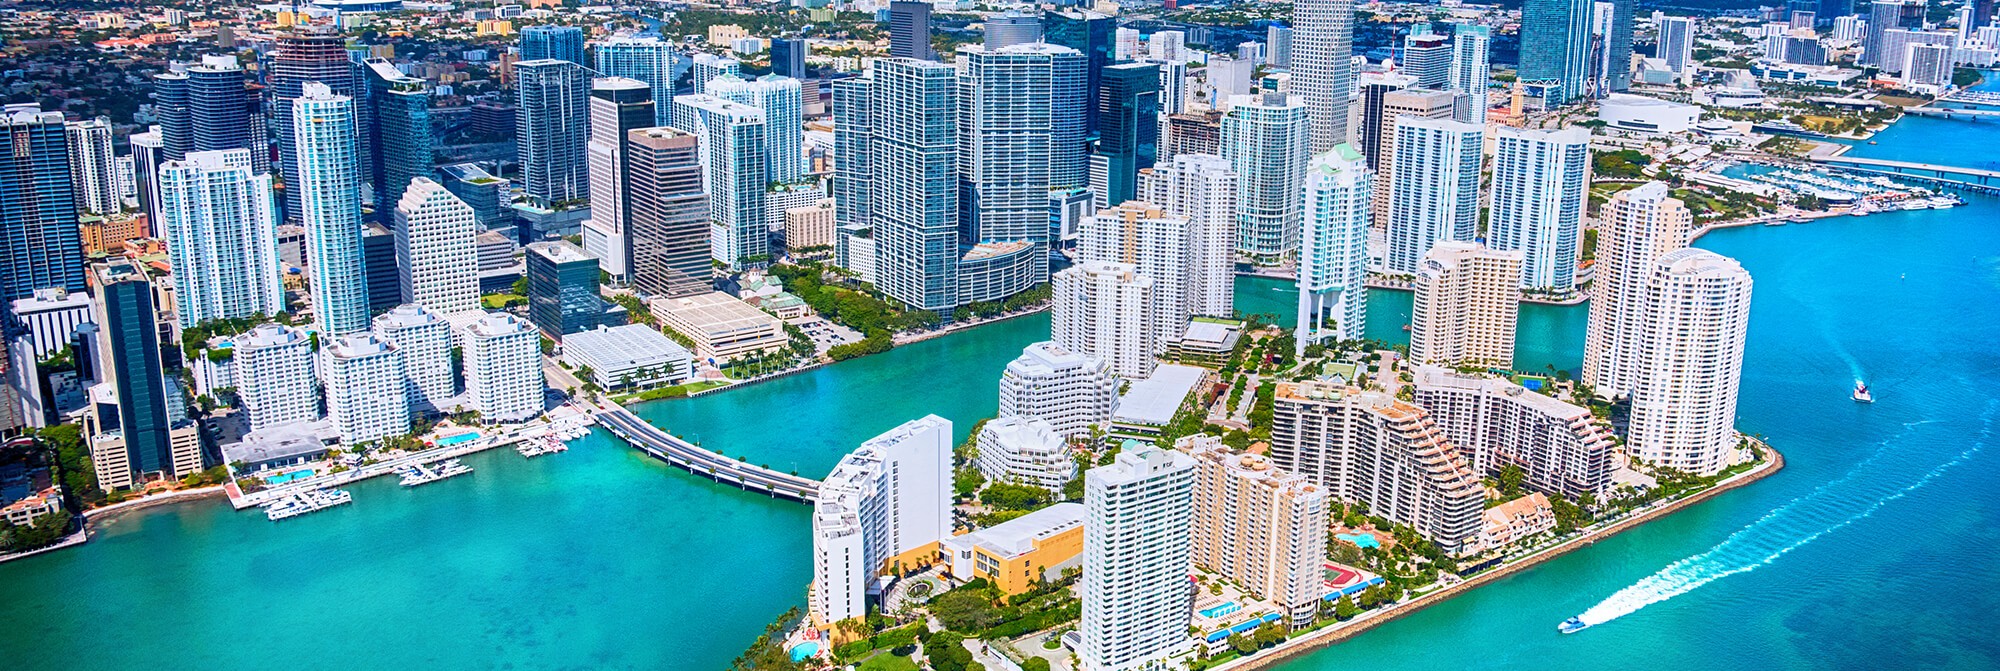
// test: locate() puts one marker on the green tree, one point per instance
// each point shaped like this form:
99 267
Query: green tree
1344 609
1512 478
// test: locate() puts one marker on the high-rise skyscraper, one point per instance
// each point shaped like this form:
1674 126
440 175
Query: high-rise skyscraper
910 30
1125 44
367 395
1433 188
424 340
669 224
1128 126
1618 46
784 125
1267 139
1396 106
1015 124
1333 247
92 172
734 172
914 202
1259 527
210 107
706 67
853 176
1278 46
139 441
1677 42
437 262
1323 67
552 130
647 59
1555 47
1090 34
1160 246
399 119
1011 28
1427 56
1104 309
1137 552
887 501
1471 49
1635 227
1690 361
1541 184
309 55
329 190
1467 302
148 152
617 105
220 224
1372 93
788 57
1884 16
40 245
273 366
1202 188
503 368
563 43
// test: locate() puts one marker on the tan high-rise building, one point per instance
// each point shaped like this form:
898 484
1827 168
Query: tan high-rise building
1161 246
1369 448
810 227
1419 103
1635 228
1468 298
1259 526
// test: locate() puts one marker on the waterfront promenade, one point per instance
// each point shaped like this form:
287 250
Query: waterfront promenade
692 458
488 439
1311 641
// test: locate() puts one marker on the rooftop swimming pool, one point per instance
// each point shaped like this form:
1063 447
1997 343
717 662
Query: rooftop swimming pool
455 439
1226 608
1364 541
283 478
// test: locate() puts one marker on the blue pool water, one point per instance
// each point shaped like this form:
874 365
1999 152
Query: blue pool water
1363 541
455 439
803 650
1221 610
288 477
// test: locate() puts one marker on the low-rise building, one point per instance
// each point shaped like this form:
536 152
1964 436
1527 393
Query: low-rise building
50 317
1149 405
810 227
23 511
633 356
1026 451
1207 341
269 450
1015 554
1512 522
722 326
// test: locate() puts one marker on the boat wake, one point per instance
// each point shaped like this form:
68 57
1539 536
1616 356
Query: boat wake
1826 509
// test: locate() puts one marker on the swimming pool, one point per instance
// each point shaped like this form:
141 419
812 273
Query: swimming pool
804 650
455 439
1212 612
1361 540
283 478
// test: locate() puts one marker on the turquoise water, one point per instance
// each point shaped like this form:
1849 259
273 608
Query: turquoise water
1363 541
804 650
288 477
455 439
1220 610
594 558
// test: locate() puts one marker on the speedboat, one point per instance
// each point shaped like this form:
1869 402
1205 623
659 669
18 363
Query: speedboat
1571 626
1861 394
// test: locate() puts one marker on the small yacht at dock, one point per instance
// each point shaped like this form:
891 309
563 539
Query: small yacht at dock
306 502
419 474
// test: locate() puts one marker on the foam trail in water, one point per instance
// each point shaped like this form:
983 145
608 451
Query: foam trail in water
1778 532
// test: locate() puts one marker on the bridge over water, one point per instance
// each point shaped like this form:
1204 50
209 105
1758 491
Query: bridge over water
1974 179
694 459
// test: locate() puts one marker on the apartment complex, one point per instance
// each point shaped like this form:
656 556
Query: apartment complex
1468 300
1068 390
1259 526
884 507
1561 447
1137 547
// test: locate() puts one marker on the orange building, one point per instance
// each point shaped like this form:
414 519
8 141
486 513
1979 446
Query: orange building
1014 554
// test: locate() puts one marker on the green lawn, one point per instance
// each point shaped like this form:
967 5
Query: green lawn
499 301
883 661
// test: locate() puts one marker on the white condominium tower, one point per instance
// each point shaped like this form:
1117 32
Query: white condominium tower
1201 187
330 205
1468 298
1137 546
914 200
1026 451
1103 309
1541 185
618 105
1433 188
1258 526
1560 447
1021 113
733 172
93 172
216 214
1370 448
1160 246
503 368
885 504
1265 139
1382 110
424 342
646 59
273 369
437 262
1636 226
784 127
1333 249
1323 65
1471 48
1069 390
707 67
1690 362
365 395
1677 43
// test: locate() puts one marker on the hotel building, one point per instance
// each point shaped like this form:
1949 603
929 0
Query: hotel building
503 368
366 395
1016 554
881 511
1259 527
273 369
1025 451
1068 390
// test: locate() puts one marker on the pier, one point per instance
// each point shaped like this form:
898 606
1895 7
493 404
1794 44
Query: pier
1971 179
694 459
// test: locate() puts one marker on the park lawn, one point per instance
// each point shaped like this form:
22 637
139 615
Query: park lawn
501 301
883 661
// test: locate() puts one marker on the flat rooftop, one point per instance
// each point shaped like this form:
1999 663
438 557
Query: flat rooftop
622 347
1154 400
1017 536
715 312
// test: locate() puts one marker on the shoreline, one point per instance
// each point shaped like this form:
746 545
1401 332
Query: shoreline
1314 641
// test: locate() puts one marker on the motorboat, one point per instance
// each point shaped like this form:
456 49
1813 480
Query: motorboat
1572 625
1861 394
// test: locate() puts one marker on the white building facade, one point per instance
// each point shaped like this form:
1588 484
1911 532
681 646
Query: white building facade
1103 309
1541 187
437 260
887 502
273 369
1202 188
216 215
1433 188
1333 248
503 368
1690 362
366 398
1137 555
423 340
1069 390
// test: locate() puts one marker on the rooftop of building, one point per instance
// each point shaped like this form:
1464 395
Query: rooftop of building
269 335
1212 334
405 316
284 441
1048 356
631 345
1154 400
987 250
1425 376
1018 536
560 251
500 323
714 312
51 298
